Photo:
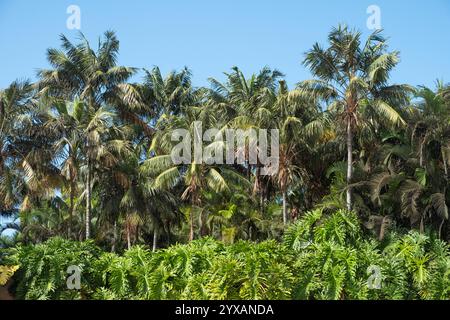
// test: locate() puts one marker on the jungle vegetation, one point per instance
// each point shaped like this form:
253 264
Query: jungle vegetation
362 180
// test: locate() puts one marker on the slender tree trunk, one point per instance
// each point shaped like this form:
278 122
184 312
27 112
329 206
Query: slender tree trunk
257 187
349 163
69 228
2 113
128 236
71 207
445 191
285 217
382 228
421 156
155 238
440 228
168 233
261 198
191 223
1 159
113 247
445 163
448 230
89 177
88 201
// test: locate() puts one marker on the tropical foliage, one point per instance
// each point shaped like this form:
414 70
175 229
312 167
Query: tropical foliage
322 257
362 184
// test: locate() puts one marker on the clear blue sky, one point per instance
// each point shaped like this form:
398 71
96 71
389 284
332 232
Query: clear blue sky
210 36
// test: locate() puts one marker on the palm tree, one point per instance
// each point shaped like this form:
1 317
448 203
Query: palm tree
125 195
292 114
431 125
431 136
15 106
170 94
352 80
241 103
67 120
87 140
195 177
94 78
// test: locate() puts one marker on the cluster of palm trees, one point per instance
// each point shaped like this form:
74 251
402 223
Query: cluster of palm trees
85 153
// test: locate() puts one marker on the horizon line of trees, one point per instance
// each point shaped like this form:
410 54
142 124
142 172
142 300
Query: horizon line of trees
85 153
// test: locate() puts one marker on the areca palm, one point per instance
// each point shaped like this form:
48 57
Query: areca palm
242 103
192 175
127 196
26 174
168 95
431 125
91 76
87 139
410 175
15 103
351 78
141 105
292 113
431 138
67 121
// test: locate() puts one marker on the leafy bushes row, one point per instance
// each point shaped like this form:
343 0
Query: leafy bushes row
322 257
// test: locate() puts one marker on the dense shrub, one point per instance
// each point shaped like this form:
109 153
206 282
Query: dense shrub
43 268
337 261
322 257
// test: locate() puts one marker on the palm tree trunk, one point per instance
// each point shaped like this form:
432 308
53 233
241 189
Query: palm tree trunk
191 224
88 201
349 163
258 186
285 217
71 207
448 230
128 236
445 163
69 226
113 247
155 238
421 156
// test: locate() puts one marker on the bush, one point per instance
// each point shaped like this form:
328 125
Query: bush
322 257
339 263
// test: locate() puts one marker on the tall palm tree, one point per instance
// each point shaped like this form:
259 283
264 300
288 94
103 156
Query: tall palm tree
291 112
15 105
194 177
241 103
431 137
67 121
431 124
352 80
87 140
125 195
91 76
